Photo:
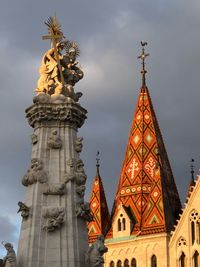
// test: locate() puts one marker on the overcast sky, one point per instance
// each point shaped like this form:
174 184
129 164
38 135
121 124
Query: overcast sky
109 34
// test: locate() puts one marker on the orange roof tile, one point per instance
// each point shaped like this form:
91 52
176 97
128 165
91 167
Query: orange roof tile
99 209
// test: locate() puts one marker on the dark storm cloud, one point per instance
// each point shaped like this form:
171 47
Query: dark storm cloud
109 33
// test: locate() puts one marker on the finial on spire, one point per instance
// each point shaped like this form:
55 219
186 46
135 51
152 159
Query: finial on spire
143 57
192 170
97 158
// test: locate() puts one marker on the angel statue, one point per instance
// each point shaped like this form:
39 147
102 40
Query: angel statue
59 70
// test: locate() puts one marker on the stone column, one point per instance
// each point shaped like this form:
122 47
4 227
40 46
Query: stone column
53 230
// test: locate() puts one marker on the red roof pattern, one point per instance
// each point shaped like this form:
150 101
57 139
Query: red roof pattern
146 182
98 205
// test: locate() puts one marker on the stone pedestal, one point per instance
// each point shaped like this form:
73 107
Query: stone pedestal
53 230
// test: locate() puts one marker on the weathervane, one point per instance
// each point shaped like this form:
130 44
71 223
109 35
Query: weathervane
143 57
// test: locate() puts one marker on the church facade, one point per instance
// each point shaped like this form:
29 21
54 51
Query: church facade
142 229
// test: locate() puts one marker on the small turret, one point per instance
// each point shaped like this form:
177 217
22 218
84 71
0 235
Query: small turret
98 205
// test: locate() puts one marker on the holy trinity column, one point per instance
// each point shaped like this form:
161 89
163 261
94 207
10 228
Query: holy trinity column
54 213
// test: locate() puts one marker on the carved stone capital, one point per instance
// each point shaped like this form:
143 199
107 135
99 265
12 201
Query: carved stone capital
68 112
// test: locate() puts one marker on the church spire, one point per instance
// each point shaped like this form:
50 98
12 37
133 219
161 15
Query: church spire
98 205
146 184
143 57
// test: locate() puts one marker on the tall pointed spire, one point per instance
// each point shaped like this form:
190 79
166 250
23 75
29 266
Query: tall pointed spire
99 207
146 184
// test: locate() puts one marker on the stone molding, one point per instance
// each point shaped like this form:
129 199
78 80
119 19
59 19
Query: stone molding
67 112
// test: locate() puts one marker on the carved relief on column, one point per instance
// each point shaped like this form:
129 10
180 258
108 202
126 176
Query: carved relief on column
34 139
54 141
78 144
54 189
53 218
25 210
35 173
78 176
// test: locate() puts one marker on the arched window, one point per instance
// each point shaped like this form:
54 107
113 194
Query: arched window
182 260
119 225
124 224
126 263
119 263
133 263
196 259
198 232
153 261
112 264
192 232
194 218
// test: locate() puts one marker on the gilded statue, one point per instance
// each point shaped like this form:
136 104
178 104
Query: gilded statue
59 70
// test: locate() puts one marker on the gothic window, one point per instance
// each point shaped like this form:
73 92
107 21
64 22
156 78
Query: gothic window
119 225
153 261
133 263
198 232
126 263
196 259
119 263
112 264
124 224
181 242
194 218
182 260
192 232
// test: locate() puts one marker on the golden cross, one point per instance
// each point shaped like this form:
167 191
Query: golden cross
143 57
54 37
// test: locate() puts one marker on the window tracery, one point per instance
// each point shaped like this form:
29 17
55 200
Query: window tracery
181 242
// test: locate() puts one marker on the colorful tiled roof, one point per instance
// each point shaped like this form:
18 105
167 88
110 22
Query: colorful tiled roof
98 205
146 183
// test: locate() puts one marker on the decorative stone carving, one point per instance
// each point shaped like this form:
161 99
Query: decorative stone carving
77 172
53 189
83 211
78 144
80 190
34 139
54 140
69 112
94 257
43 97
25 211
35 173
53 218
10 259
